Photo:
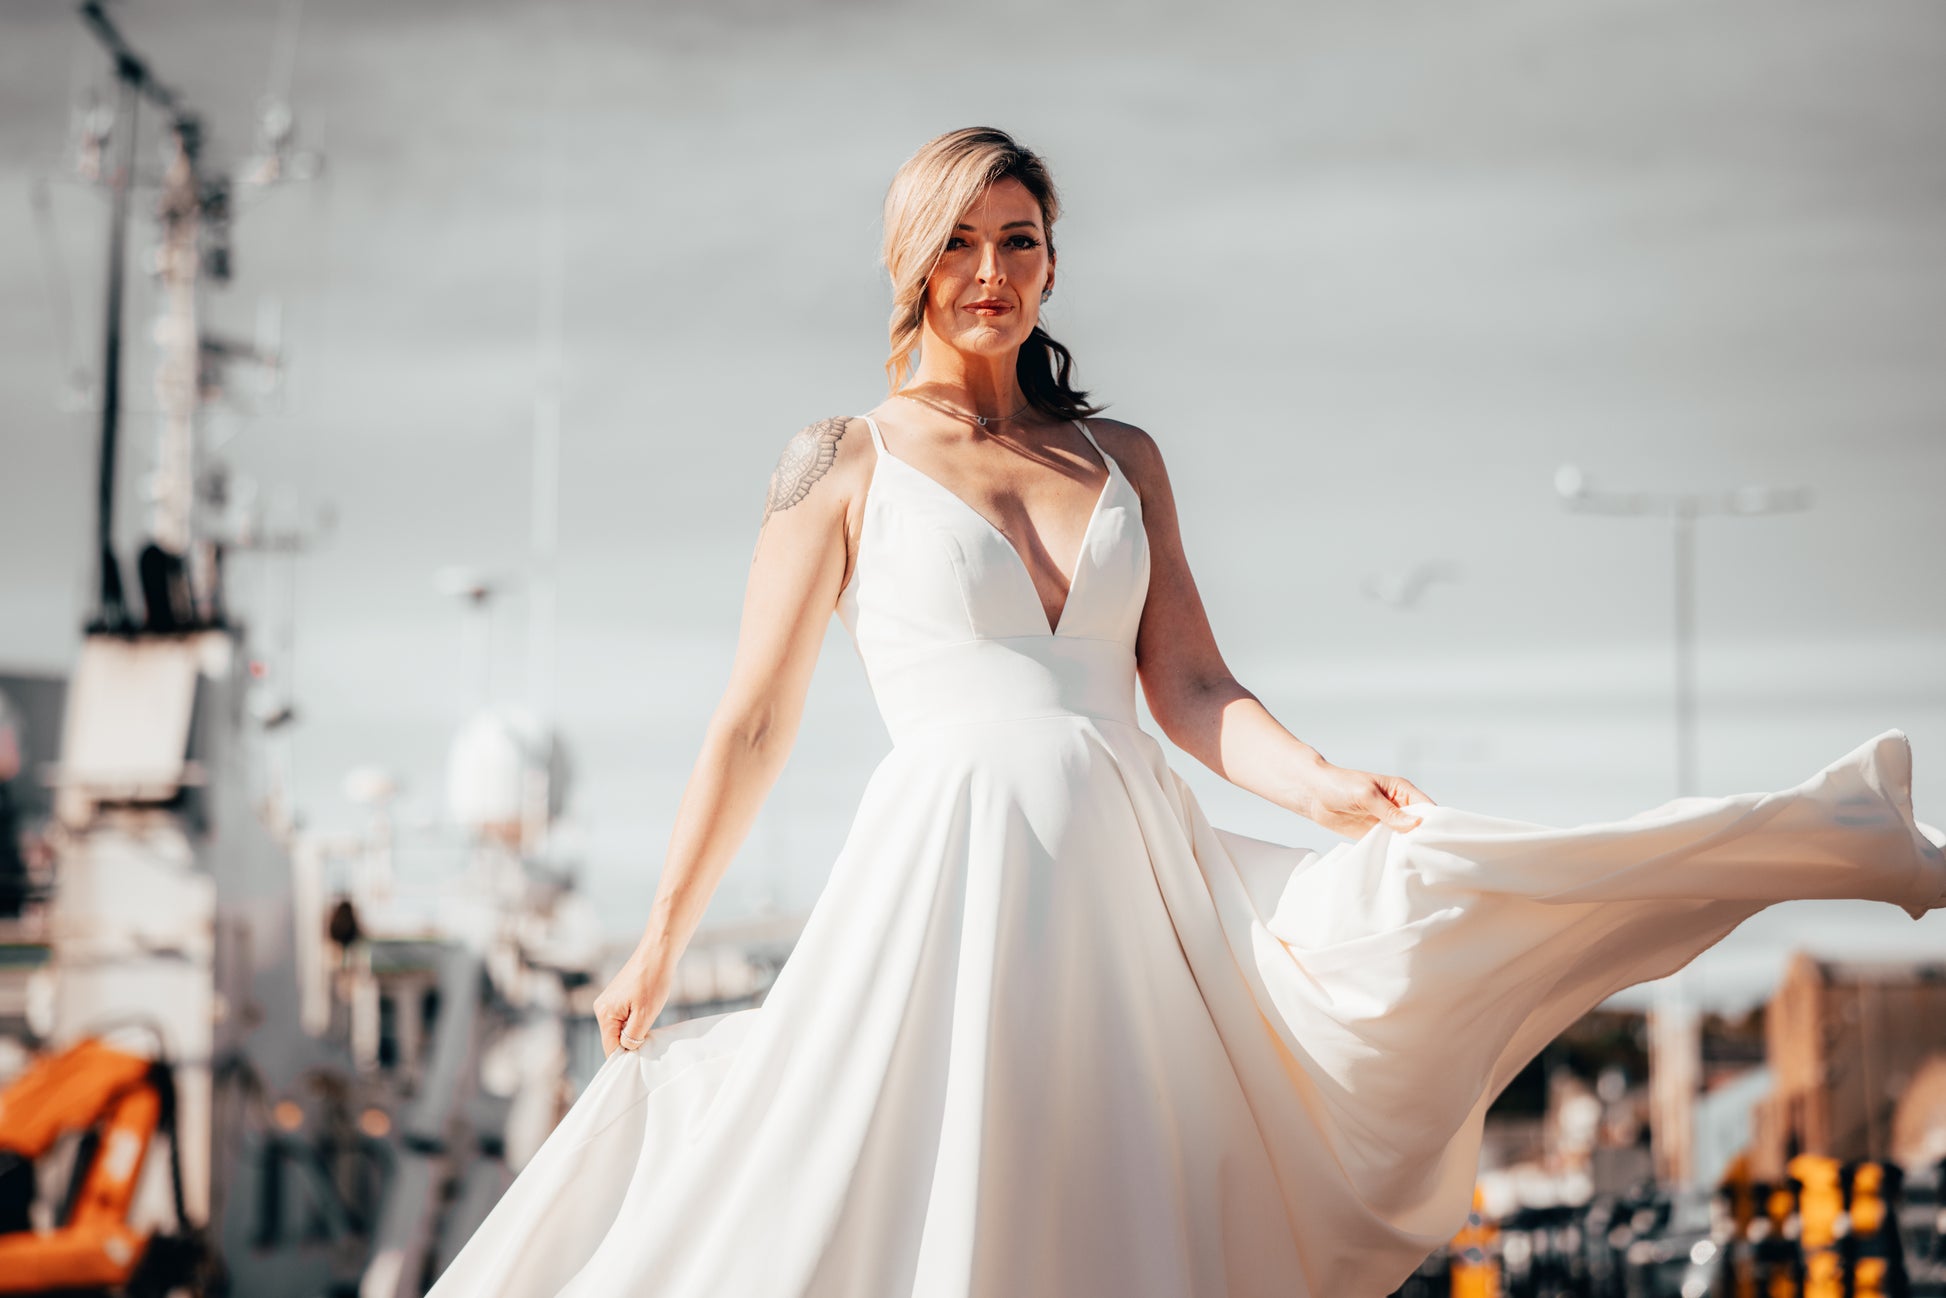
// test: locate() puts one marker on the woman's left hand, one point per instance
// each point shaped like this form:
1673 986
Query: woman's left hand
1351 802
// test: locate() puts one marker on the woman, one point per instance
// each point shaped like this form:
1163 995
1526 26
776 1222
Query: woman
1047 1030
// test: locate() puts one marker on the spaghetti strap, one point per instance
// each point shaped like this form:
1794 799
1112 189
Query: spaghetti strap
878 439
1091 440
1114 467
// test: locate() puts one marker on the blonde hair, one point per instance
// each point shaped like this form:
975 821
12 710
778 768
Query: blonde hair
930 192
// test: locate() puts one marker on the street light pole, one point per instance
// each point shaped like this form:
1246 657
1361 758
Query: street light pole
1682 508
1675 1039
1683 546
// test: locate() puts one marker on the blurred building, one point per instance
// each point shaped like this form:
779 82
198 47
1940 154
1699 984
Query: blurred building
1847 1042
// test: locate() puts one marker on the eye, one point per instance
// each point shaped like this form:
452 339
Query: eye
1027 241
951 240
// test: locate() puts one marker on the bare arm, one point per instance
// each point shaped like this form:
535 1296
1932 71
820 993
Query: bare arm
796 572
1202 706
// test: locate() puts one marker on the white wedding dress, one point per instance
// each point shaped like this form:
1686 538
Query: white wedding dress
1048 1033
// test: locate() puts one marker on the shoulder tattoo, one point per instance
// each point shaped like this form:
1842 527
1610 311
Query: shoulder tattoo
807 457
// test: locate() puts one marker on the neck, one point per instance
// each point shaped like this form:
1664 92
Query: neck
979 385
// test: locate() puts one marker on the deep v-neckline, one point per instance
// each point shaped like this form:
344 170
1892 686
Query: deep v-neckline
1080 563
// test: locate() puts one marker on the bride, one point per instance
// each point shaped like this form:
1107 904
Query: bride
1048 1031
989 415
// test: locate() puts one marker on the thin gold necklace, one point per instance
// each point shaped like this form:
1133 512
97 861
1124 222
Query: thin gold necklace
981 420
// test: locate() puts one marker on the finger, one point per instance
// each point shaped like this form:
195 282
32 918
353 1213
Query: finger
1393 814
1397 789
635 1033
611 1031
1414 794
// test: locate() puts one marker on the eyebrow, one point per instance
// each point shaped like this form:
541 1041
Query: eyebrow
1008 226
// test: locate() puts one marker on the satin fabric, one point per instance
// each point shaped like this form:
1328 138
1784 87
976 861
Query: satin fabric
1048 1031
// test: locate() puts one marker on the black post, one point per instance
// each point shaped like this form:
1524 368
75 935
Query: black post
111 613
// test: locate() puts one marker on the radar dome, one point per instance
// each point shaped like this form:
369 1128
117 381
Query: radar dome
491 760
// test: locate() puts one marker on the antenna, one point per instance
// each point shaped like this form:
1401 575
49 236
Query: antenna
545 501
276 157
195 210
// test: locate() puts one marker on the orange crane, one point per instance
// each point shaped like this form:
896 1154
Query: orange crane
118 1101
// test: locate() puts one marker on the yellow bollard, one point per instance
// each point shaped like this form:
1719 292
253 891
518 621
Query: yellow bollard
1476 1270
1872 1246
1824 1275
1867 1199
1820 1204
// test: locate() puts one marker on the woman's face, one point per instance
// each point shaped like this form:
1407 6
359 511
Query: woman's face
984 294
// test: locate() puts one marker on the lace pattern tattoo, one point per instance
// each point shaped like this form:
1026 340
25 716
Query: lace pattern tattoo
807 457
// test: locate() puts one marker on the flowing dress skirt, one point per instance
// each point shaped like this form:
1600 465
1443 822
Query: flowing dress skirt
1050 1032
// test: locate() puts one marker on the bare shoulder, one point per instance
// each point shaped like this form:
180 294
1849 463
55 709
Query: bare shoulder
1133 449
822 465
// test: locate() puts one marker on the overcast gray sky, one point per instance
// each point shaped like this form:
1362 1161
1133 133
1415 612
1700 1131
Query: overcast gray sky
1368 273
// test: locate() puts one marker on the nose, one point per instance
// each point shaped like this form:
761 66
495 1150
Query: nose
990 263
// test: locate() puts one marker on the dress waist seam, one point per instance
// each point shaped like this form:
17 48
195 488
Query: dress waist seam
924 728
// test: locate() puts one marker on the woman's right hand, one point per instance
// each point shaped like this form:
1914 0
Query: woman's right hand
796 575
632 999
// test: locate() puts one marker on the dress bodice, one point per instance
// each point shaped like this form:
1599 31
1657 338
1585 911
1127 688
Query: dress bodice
950 627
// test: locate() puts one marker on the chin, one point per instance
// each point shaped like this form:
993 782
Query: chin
991 342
